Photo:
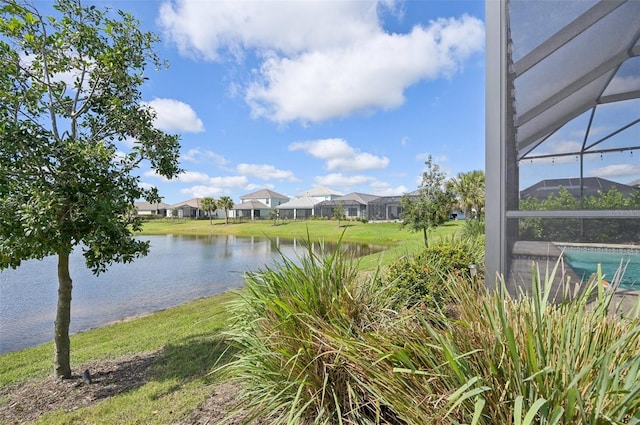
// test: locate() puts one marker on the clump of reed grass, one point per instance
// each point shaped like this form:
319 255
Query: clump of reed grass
299 332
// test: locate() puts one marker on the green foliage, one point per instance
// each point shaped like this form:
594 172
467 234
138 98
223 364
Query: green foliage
524 360
318 346
432 206
225 203
296 329
586 230
421 280
473 229
469 190
338 212
63 182
209 205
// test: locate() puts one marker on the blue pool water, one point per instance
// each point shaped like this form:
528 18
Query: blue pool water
585 262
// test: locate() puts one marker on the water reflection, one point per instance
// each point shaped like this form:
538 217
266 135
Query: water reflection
177 269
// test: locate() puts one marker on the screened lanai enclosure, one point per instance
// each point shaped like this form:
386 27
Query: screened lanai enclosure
562 130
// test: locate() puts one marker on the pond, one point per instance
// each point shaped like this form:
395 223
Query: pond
177 269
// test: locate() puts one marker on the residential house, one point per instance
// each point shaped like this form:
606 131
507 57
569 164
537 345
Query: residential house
298 208
355 205
388 208
151 209
187 209
258 205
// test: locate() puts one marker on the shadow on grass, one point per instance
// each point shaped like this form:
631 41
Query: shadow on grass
192 359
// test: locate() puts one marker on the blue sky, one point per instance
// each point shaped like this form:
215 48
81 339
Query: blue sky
290 95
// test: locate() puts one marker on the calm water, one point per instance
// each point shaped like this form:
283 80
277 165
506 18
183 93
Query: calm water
178 269
585 262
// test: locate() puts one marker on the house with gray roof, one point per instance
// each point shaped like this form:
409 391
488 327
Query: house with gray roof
145 208
355 205
187 209
387 208
258 205
321 193
297 208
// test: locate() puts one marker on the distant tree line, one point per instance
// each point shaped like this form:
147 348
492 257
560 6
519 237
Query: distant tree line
619 230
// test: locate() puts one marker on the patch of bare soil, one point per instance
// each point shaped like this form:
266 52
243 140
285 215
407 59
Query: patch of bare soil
27 401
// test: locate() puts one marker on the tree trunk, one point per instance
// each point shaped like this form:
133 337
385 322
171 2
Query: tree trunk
62 361
426 241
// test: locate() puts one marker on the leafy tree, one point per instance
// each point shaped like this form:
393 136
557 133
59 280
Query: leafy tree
69 86
432 206
226 203
338 212
469 189
209 205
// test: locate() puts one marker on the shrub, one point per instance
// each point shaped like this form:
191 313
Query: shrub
421 280
473 229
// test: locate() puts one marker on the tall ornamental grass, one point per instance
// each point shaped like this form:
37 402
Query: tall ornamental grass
319 344
298 327
520 361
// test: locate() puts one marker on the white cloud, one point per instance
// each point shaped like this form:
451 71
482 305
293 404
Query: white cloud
384 189
352 183
229 181
193 177
339 155
368 74
623 84
253 187
173 115
203 178
339 179
266 172
615 170
321 60
204 29
146 186
198 156
201 191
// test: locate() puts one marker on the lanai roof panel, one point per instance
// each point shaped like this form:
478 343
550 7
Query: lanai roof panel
568 58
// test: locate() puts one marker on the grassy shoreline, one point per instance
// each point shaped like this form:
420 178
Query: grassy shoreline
185 340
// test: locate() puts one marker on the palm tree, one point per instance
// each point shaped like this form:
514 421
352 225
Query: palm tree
226 203
469 188
209 205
